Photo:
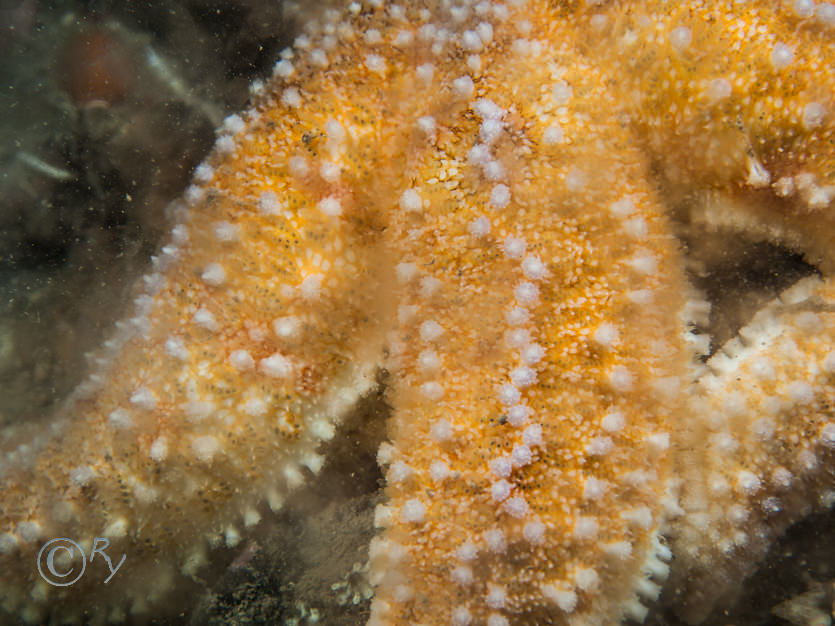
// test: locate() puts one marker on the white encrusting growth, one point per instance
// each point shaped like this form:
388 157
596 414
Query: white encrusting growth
523 377
463 86
205 319
204 173
298 166
329 172
287 328
533 268
509 395
83 475
518 415
613 422
680 38
226 232
813 115
439 471
410 200
442 431
120 418
311 286
330 206
376 64
427 125
553 135
432 390
526 293
500 196
425 72
241 360
606 336
718 89
413 511
532 353
516 506
276 366
144 398
781 56
283 69
269 204
291 97
514 247
429 362
214 274
431 331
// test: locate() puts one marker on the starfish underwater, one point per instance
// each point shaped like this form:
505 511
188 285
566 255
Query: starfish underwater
481 199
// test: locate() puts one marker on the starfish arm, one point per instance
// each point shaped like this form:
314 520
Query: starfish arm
256 334
533 390
735 98
764 412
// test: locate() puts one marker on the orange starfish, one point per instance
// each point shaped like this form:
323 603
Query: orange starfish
467 196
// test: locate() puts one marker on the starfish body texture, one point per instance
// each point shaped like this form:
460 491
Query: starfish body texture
470 196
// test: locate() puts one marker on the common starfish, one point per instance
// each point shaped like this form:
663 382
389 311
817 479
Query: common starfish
467 195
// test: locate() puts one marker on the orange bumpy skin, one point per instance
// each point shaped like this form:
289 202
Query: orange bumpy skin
467 195
528 462
734 104
259 330
735 97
